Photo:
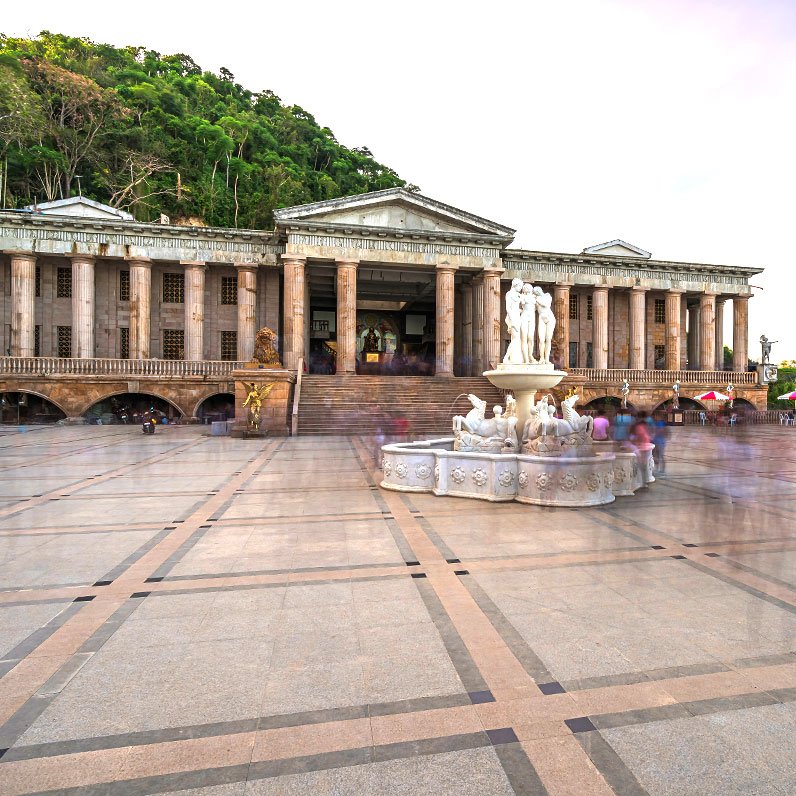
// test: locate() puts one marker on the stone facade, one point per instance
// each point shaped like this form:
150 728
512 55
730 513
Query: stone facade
108 287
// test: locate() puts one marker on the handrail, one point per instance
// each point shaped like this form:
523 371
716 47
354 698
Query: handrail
106 366
296 397
717 377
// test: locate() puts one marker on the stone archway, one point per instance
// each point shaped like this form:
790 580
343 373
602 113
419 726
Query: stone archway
685 403
29 406
608 403
126 407
217 404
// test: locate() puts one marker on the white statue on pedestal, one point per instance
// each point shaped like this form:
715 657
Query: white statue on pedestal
513 322
527 323
547 324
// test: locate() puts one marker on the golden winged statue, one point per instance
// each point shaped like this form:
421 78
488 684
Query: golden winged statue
254 400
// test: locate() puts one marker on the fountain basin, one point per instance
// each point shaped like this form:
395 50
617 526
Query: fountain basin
567 481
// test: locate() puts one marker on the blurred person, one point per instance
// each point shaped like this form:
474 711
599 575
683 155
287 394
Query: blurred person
601 426
660 437
622 426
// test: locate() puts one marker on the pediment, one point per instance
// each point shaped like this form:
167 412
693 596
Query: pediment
395 209
79 207
618 248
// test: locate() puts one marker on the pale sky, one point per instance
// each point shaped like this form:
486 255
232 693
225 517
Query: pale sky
668 123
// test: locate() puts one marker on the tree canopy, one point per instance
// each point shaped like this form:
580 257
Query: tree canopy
154 134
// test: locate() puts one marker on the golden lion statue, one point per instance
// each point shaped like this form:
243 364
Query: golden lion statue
265 348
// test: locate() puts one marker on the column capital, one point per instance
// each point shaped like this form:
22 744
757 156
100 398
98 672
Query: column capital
141 262
300 259
639 289
604 288
447 268
81 258
675 291
740 297
346 262
18 254
564 284
194 264
705 295
492 270
246 266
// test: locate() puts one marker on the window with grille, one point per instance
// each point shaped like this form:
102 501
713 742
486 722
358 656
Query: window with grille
573 308
38 283
573 355
229 290
229 346
173 344
589 308
37 341
64 336
63 285
174 289
124 286
660 357
660 310
124 342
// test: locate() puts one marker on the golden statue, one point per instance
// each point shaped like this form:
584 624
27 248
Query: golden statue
254 400
265 348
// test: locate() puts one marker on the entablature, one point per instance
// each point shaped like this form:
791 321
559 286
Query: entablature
99 238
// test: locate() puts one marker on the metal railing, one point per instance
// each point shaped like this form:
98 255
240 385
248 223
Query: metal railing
713 377
44 366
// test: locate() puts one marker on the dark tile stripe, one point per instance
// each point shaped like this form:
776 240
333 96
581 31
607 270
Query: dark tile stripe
519 647
738 585
457 651
631 678
610 765
136 555
758 573
146 737
519 770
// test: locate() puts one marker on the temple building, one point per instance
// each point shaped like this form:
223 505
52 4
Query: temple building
390 283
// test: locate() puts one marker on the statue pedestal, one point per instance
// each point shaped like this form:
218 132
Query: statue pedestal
524 381
276 409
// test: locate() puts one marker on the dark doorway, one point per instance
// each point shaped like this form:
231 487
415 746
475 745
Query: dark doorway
129 408
24 407
217 407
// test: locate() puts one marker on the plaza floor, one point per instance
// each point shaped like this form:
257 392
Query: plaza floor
199 615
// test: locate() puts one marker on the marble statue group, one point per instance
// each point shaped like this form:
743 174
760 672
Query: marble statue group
529 316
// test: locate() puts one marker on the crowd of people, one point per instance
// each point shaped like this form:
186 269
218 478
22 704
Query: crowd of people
632 430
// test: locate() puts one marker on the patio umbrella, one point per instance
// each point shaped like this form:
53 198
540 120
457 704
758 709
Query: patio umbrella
712 395
789 396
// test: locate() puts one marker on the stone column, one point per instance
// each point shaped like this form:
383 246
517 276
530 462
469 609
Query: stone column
140 307
599 334
82 306
638 328
478 326
444 325
346 322
707 331
467 330
673 329
493 348
247 309
561 334
23 304
293 310
194 310
693 337
740 333
719 365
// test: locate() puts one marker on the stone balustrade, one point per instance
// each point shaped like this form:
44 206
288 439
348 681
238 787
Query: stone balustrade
718 377
116 367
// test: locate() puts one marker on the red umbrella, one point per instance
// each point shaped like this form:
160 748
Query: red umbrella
789 396
712 395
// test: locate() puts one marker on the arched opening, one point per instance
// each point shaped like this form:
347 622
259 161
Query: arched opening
29 408
685 403
608 403
129 407
746 406
220 406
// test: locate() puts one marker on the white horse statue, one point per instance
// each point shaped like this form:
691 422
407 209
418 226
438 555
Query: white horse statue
476 432
472 421
577 423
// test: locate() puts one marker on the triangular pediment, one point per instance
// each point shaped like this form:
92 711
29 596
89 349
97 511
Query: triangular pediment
79 207
618 248
395 209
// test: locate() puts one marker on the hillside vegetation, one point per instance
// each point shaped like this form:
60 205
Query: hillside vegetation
154 134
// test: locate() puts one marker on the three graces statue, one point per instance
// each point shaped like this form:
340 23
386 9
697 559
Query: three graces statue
528 313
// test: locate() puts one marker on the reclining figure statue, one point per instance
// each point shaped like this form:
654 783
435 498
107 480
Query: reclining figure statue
546 435
475 433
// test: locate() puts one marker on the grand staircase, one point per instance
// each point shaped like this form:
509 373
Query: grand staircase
364 404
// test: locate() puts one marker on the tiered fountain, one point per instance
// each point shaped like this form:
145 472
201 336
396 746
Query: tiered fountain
524 452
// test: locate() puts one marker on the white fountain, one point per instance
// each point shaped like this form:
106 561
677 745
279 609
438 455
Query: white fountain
524 452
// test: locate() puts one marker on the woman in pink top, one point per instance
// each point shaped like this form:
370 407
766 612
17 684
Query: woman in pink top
600 430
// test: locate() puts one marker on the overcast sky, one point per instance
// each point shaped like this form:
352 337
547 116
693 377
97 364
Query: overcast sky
668 123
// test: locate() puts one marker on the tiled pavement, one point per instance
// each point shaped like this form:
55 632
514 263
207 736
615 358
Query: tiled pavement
186 614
